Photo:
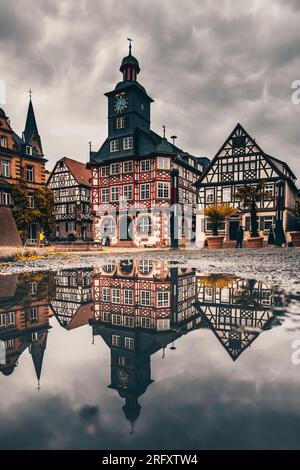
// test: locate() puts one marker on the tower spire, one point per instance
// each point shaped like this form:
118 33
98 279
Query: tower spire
31 133
130 66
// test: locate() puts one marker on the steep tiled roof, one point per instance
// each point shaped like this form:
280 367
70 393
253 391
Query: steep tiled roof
78 170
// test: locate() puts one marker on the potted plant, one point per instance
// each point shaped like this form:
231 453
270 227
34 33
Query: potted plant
295 234
217 214
250 195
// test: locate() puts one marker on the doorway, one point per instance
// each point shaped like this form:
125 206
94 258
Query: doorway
233 228
126 229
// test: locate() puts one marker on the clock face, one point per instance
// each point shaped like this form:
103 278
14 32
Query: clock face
121 103
123 378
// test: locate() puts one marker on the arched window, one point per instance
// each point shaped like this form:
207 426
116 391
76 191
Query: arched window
108 227
109 268
145 266
144 225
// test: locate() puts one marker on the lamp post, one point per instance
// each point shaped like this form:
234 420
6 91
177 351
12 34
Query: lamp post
279 232
174 208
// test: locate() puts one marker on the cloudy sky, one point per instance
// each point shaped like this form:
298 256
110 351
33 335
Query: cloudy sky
207 64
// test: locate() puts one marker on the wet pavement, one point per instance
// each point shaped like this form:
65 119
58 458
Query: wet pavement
162 351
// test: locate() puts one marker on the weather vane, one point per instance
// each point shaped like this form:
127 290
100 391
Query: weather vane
130 41
30 92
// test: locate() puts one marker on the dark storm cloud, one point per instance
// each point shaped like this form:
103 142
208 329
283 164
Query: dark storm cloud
207 64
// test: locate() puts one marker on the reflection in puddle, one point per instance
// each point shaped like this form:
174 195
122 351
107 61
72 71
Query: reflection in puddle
138 307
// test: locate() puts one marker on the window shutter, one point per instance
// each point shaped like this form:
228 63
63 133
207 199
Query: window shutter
247 224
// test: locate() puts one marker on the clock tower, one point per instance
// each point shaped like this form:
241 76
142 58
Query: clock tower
128 112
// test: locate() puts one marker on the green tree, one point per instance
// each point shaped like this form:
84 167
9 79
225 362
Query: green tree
217 214
44 203
41 213
250 195
21 210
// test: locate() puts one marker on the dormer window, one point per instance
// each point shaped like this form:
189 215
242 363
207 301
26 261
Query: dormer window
28 150
3 141
114 145
127 143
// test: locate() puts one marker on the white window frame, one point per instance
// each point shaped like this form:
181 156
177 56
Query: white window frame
145 297
116 340
146 322
114 145
115 295
129 343
163 163
104 195
30 173
163 299
128 188
6 198
105 294
209 195
114 193
226 191
3 141
127 143
144 228
145 165
31 201
116 319
145 191
11 319
33 313
128 167
114 169
5 168
163 190
105 171
128 296
128 321
121 122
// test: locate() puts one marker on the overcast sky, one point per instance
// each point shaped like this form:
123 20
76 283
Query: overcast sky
207 64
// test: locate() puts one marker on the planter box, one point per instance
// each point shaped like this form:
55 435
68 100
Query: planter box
255 242
215 242
295 238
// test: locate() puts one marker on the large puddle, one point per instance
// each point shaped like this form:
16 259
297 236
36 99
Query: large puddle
146 353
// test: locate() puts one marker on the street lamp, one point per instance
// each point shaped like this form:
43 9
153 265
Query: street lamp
279 232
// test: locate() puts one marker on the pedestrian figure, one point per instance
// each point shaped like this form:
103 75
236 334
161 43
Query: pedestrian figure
271 237
41 238
239 237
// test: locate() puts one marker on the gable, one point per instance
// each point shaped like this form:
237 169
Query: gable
239 159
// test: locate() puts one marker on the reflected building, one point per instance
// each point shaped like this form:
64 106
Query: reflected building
72 305
237 310
24 318
140 307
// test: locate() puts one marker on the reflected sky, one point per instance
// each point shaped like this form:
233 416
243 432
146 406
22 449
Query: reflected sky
144 355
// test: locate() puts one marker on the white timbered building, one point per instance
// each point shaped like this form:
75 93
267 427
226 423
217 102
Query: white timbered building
241 161
72 305
236 310
70 182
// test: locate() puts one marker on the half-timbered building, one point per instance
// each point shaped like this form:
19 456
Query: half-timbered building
72 305
21 159
241 161
141 306
236 310
137 175
70 182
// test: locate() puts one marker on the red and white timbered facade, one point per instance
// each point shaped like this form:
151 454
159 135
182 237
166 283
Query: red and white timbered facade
132 184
